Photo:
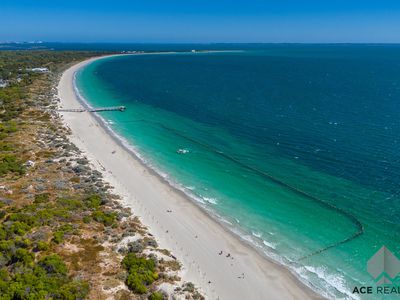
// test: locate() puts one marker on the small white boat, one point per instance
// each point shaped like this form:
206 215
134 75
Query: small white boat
182 151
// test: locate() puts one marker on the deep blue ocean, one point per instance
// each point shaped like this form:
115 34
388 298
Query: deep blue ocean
296 148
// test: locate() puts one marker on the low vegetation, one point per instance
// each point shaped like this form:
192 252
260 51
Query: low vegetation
141 272
61 230
29 268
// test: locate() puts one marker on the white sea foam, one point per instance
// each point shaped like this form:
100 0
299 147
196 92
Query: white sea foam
211 200
269 244
223 220
337 281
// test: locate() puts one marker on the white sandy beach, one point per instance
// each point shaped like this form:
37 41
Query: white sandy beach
191 235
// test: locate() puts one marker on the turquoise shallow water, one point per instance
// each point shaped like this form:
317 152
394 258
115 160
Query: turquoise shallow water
295 148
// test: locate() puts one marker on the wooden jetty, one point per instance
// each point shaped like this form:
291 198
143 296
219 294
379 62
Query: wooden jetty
111 108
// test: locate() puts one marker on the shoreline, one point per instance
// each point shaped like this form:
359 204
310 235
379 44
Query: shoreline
192 235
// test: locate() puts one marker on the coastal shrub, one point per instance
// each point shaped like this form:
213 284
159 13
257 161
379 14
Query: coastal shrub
58 237
38 283
135 284
3 233
106 218
25 218
135 246
7 246
66 228
20 276
59 234
23 256
61 214
22 242
71 204
44 216
5 146
10 164
150 242
74 290
189 287
156 296
93 201
4 261
53 264
41 246
17 228
7 128
42 198
11 105
141 272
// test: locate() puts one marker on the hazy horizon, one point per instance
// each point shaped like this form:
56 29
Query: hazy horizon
193 43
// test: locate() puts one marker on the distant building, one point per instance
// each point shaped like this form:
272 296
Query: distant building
30 163
3 83
39 70
193 51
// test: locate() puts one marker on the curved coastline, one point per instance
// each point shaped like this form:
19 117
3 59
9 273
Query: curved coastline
297 287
